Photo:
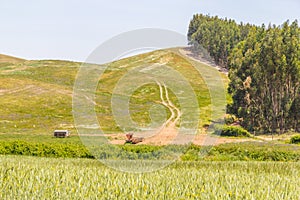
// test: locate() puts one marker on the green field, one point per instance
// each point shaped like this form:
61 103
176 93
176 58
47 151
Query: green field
41 178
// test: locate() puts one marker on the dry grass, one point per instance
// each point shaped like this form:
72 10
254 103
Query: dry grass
10 59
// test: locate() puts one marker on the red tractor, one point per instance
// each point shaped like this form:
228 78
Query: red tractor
133 140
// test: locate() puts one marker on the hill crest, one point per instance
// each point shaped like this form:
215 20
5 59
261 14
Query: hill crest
10 59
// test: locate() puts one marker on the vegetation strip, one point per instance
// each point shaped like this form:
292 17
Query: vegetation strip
242 151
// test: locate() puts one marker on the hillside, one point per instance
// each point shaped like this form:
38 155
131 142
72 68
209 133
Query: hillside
37 94
10 59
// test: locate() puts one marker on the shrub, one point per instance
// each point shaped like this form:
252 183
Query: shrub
295 139
232 131
229 119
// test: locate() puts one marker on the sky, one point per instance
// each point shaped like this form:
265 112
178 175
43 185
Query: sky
72 29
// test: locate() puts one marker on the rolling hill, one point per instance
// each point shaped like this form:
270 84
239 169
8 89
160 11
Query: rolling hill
36 95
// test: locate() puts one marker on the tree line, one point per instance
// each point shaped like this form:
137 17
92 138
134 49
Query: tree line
264 69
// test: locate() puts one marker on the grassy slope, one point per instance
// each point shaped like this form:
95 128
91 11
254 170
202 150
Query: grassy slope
37 95
145 97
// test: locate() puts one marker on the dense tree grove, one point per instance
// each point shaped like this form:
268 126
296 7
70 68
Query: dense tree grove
264 69
217 36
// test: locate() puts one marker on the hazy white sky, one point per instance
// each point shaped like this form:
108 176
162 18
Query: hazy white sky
72 29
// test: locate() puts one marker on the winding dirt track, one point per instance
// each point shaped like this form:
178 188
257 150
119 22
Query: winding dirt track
168 132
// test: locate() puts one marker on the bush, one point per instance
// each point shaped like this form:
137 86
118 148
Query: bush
295 139
229 119
232 131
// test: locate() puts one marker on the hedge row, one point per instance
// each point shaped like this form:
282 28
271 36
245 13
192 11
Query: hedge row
43 149
243 151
